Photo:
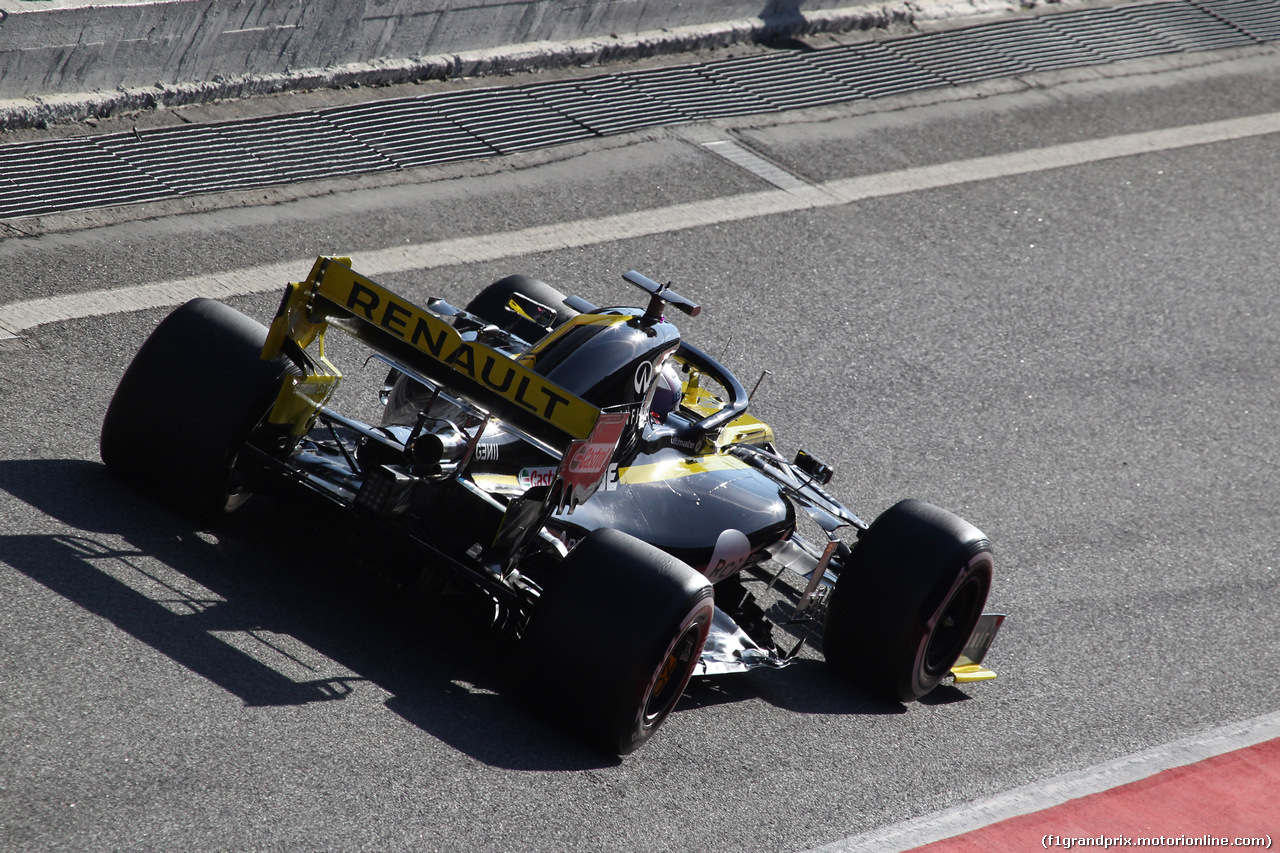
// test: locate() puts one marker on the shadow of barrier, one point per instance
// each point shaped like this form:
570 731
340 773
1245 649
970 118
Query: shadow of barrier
278 624
272 624
154 603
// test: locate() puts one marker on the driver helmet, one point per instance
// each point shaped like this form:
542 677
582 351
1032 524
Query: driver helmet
668 389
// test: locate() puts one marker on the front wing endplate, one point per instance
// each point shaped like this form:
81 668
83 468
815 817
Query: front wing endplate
968 669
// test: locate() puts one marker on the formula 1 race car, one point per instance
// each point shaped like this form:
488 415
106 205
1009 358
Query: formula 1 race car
594 477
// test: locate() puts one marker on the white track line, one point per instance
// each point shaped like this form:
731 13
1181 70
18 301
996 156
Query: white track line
1039 796
19 317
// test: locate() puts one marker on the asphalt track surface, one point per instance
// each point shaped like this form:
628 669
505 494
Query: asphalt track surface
1081 359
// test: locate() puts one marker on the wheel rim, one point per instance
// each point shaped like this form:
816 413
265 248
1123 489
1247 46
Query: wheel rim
954 626
673 674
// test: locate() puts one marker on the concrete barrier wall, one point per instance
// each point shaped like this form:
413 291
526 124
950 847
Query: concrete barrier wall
58 47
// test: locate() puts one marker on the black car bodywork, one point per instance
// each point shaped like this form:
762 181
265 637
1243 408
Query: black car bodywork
523 450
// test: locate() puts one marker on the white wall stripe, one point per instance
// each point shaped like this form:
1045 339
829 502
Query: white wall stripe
1052 157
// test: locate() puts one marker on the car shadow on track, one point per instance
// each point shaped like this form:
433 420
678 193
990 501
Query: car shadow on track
265 609
804 687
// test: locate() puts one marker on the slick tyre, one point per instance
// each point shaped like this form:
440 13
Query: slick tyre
490 304
613 641
904 608
186 405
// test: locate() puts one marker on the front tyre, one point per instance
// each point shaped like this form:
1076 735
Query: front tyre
905 606
186 405
614 640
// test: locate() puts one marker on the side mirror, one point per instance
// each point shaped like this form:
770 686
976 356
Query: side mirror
531 310
820 471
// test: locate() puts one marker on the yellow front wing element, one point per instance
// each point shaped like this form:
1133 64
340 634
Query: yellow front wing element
970 673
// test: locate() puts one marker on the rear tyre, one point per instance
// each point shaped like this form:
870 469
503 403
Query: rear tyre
904 608
490 305
613 642
186 405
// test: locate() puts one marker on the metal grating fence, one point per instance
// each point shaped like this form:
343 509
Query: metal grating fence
70 174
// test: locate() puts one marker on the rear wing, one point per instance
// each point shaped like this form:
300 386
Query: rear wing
425 342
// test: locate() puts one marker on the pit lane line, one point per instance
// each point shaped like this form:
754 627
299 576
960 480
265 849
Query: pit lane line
19 317
1047 794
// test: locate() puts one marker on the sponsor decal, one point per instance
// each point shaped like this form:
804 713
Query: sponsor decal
644 376
564 536
731 554
585 463
487 452
435 337
532 477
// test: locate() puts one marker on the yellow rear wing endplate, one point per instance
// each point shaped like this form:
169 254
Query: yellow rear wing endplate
336 295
